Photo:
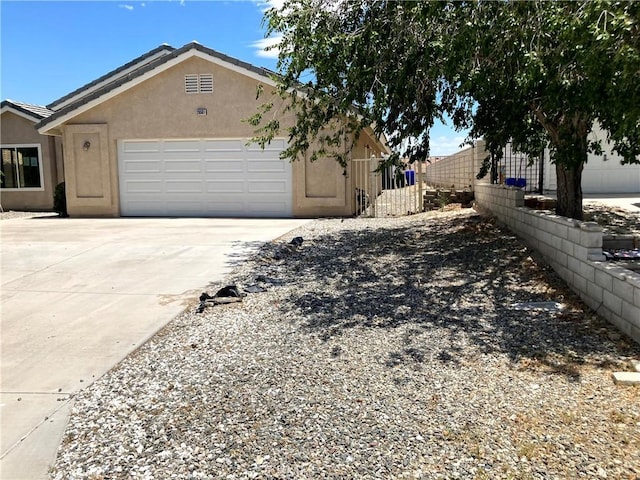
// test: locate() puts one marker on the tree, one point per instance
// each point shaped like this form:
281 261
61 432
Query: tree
533 73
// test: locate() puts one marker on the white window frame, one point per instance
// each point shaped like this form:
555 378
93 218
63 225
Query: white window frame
40 168
192 80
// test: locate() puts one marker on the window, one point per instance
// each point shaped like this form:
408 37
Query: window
21 167
194 83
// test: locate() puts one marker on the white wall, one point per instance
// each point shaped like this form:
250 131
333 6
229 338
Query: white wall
600 175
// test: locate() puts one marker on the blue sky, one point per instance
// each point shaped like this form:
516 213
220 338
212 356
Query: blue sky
50 48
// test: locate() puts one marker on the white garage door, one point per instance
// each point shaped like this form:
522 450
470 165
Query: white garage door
210 178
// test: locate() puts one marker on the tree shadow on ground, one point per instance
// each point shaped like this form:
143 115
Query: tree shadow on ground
457 277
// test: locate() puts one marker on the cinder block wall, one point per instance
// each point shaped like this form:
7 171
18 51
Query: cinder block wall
574 250
458 170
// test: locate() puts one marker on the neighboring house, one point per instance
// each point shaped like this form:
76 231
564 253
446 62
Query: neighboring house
31 162
602 173
165 135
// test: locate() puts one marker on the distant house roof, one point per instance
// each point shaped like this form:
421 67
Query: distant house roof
136 71
34 113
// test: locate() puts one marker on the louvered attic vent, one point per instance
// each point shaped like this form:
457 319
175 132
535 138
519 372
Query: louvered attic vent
191 83
194 83
206 83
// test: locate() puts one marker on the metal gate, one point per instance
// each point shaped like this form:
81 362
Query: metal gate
386 192
519 170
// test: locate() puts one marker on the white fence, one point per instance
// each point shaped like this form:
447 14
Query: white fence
386 192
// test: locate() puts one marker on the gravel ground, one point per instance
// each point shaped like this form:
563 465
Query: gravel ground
13 215
614 220
380 348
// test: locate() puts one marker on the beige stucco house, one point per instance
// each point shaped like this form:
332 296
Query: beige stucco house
31 162
166 135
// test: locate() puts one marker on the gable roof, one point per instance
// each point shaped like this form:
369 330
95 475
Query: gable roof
107 87
112 76
29 111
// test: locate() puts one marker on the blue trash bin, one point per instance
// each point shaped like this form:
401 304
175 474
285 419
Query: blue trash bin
410 175
516 182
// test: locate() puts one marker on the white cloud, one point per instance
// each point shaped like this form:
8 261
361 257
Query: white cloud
265 5
260 46
445 145
126 7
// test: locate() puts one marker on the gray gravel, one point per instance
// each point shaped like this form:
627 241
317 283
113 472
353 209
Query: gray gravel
16 215
381 348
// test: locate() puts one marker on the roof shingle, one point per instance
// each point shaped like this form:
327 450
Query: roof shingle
38 112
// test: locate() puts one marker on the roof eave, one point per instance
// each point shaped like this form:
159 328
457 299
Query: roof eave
104 79
16 110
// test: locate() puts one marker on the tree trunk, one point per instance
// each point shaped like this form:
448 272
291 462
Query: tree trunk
569 178
570 138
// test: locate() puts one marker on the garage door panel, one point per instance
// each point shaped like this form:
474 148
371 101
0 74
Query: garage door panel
226 156
232 145
183 166
143 186
266 187
203 178
181 146
267 154
264 156
184 186
145 207
186 208
276 145
229 207
226 187
141 146
267 208
143 166
265 166
223 166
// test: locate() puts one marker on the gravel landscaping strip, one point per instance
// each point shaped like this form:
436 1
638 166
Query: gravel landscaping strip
13 215
380 348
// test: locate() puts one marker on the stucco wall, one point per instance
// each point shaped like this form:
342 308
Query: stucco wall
89 178
159 108
574 250
15 129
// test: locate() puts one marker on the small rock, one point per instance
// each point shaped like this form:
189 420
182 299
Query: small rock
614 336
626 378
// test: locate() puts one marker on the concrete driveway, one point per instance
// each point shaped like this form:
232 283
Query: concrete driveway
78 295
